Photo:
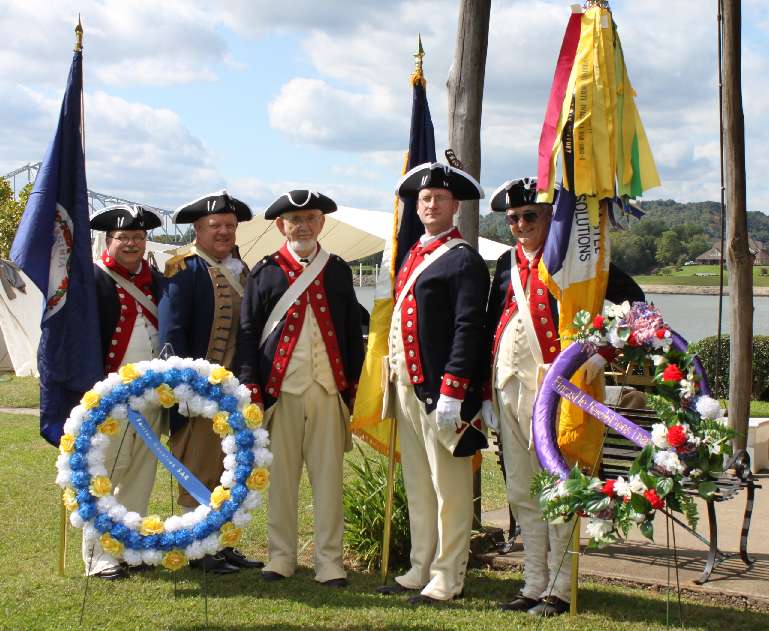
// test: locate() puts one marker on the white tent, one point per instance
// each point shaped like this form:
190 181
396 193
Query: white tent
20 310
352 233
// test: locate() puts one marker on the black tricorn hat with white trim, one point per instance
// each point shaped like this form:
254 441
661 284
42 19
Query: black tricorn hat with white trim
514 193
125 217
438 175
300 199
212 204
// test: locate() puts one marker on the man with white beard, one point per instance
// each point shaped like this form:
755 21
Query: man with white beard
301 351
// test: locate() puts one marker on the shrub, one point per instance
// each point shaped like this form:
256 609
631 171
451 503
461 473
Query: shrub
707 349
364 513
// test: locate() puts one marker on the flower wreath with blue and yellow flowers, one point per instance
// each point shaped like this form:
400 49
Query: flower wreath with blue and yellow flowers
201 389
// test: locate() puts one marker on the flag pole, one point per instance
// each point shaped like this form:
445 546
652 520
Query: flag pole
417 76
62 557
389 500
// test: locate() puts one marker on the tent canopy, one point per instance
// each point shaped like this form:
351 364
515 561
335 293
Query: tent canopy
352 233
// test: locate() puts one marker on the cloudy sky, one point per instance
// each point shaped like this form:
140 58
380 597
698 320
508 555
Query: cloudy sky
258 96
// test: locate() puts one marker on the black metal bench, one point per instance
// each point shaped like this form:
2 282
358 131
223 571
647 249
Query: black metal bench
619 453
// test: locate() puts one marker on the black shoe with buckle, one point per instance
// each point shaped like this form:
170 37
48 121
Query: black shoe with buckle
115 573
422 599
392 590
214 563
337 583
271 577
235 557
519 603
550 606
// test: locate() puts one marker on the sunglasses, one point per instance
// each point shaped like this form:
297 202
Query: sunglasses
529 217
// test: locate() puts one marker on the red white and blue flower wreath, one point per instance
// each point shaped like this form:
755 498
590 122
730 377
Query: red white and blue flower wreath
201 389
689 445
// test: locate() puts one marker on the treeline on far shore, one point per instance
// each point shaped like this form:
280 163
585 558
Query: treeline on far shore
669 234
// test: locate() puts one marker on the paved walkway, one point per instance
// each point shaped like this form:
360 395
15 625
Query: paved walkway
28 411
640 561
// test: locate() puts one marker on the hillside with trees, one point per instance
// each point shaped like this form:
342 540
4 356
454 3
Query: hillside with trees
669 233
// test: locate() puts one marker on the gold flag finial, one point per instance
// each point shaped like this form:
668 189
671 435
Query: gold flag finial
418 76
78 35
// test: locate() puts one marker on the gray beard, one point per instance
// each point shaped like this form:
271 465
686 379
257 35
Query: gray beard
304 245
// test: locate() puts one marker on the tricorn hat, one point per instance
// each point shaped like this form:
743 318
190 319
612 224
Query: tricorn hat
125 217
438 175
212 204
300 199
514 193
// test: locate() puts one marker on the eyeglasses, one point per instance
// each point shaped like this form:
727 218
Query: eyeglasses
126 240
298 221
438 199
529 217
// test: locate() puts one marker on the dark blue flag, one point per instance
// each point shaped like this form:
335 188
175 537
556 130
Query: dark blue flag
53 247
421 150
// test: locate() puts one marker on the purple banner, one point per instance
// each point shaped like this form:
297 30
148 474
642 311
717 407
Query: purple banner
567 390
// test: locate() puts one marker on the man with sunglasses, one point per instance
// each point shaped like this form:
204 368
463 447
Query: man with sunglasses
301 353
127 293
513 384
199 313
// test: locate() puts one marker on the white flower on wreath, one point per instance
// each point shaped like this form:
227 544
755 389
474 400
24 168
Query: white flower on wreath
668 461
687 388
659 360
660 436
637 485
638 518
614 339
598 528
708 407
621 487
617 311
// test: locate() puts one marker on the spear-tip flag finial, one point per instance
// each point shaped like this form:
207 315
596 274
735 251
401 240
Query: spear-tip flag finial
78 35
418 76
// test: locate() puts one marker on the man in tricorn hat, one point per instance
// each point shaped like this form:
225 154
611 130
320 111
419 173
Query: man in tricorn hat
199 314
301 353
127 293
517 336
437 351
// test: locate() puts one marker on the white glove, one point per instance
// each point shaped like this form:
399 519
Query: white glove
594 367
489 418
447 412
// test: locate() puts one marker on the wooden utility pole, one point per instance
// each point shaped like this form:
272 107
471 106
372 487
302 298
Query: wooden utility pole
465 86
738 257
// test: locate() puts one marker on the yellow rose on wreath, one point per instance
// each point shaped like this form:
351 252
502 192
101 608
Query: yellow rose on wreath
229 534
67 443
109 426
90 400
174 560
111 546
151 525
101 486
219 374
253 415
128 373
259 479
68 499
166 395
219 496
220 423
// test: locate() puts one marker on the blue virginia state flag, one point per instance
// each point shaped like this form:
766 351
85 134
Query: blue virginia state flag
53 247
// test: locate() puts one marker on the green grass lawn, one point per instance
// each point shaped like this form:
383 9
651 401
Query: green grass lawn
19 392
33 596
699 276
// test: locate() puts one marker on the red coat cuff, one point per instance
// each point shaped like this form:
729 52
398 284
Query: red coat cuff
256 393
453 386
609 353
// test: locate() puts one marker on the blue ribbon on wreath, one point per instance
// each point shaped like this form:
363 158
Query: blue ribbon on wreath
182 474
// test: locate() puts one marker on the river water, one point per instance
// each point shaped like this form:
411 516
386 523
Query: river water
694 317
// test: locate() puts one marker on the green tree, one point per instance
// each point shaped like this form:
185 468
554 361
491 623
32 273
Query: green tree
670 249
11 210
633 253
